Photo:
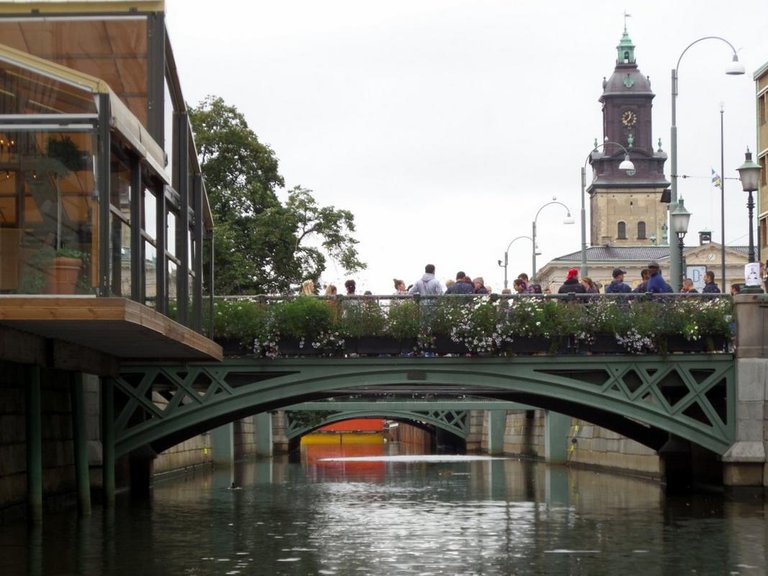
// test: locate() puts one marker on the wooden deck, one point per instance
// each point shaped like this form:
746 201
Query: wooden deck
120 329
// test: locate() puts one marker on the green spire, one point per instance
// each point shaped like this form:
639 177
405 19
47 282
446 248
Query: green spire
626 50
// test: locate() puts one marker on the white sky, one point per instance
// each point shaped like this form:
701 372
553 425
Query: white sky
444 125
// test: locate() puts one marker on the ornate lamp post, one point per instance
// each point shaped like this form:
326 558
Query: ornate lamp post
679 219
735 68
625 165
506 256
568 220
749 174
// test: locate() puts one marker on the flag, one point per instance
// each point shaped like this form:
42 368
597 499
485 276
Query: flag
716 179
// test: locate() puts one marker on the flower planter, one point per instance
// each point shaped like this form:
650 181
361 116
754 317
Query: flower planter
676 343
717 343
529 345
378 345
605 343
444 345
233 347
290 347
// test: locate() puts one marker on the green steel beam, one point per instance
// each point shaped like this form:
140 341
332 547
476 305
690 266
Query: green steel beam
453 421
690 396
407 405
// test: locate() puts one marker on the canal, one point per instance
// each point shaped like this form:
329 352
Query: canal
341 512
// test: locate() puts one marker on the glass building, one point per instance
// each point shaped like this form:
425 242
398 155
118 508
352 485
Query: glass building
101 194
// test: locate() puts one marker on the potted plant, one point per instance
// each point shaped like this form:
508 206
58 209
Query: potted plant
404 324
66 269
481 325
302 325
438 322
66 151
363 323
238 323
602 320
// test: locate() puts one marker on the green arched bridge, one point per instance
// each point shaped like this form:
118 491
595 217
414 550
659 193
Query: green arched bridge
646 398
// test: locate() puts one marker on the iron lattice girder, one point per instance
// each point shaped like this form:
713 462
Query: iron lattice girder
690 396
454 421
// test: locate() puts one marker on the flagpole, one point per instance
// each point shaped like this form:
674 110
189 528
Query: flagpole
722 205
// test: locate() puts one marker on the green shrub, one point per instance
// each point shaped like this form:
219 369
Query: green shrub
404 319
239 319
304 317
362 317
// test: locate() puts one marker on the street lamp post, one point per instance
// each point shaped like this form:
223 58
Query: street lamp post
679 219
506 256
568 220
735 68
625 165
749 174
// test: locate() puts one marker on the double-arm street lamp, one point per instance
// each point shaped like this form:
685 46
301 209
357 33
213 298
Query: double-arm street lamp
568 220
735 68
506 255
678 222
625 165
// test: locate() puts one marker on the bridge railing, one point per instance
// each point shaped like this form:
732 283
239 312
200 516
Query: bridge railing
416 325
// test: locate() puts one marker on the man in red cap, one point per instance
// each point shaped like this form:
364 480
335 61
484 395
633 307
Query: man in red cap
572 284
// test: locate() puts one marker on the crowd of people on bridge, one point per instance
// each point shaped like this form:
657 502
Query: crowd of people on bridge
651 280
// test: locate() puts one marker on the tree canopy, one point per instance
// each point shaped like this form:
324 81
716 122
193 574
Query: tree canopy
260 244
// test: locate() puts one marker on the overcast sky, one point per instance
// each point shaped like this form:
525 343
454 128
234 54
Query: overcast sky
444 125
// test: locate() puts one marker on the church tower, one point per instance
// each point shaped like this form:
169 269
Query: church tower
626 209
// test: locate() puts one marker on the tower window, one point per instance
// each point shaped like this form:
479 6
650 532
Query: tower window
641 230
622 231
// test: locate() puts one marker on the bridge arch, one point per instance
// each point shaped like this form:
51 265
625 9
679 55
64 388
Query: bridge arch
454 421
645 398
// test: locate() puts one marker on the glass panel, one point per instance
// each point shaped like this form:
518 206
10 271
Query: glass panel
192 251
150 214
24 91
120 194
171 219
168 119
150 274
120 253
47 211
172 280
112 49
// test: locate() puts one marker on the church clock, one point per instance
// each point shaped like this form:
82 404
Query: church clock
628 118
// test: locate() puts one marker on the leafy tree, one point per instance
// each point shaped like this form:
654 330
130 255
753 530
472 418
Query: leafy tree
261 245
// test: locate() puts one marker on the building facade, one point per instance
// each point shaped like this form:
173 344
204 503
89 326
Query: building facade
761 86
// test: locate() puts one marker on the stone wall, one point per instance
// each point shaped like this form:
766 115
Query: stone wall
477 431
596 446
57 448
189 454
588 445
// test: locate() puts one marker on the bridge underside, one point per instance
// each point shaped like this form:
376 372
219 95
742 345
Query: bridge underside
645 398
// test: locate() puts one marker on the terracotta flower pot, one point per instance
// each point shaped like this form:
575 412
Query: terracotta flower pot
63 275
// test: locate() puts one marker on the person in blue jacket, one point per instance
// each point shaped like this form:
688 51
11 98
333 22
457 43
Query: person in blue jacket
656 282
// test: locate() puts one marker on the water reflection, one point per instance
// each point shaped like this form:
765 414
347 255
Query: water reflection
407 516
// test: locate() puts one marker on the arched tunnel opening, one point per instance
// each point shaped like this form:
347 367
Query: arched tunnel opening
381 435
